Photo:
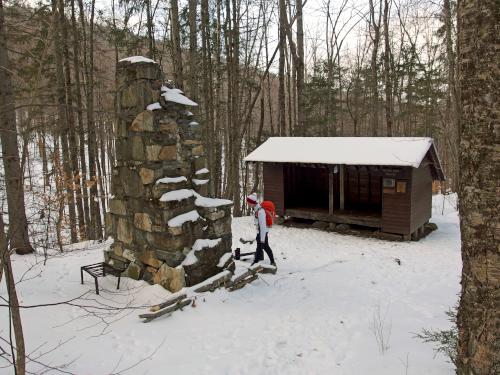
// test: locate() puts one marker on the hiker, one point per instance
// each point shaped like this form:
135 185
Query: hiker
262 230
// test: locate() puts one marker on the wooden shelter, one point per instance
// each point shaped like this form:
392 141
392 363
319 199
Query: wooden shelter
377 182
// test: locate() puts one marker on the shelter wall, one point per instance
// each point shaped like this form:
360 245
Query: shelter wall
421 202
274 186
363 188
396 204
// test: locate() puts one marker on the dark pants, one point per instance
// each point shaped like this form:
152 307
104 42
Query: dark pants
259 255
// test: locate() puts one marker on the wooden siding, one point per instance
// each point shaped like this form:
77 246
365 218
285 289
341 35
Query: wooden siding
363 188
421 198
396 207
273 186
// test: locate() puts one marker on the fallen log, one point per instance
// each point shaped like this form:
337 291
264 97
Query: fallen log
267 268
168 310
213 283
242 283
170 301
249 272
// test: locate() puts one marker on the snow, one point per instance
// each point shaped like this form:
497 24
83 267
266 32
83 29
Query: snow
174 89
211 202
315 316
176 96
183 218
199 182
190 259
199 245
223 259
171 180
202 171
138 59
390 151
176 195
153 106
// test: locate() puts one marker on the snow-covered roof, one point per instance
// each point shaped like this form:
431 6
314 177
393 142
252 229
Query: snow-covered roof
394 151
137 59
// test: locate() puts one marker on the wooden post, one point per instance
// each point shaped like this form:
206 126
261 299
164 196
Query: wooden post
331 191
341 175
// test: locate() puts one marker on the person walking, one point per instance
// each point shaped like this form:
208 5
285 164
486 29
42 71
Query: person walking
262 230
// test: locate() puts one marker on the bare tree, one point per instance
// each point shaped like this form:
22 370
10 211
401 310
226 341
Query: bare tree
18 223
63 121
387 71
176 44
375 19
19 356
193 65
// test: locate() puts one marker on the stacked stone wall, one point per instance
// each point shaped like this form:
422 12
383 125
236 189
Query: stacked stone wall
164 228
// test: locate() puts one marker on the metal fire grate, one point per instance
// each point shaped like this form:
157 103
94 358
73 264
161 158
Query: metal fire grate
100 270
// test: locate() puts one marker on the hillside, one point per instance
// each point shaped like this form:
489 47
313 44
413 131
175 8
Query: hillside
315 316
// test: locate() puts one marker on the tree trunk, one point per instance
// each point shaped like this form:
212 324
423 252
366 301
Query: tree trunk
281 71
42 149
176 44
452 109
95 227
18 224
300 71
216 171
81 127
193 82
63 122
149 27
235 110
479 67
375 26
73 148
387 71
15 314
207 88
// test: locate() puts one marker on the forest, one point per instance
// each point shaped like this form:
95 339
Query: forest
374 69
257 69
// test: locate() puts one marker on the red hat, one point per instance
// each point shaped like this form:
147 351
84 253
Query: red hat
252 198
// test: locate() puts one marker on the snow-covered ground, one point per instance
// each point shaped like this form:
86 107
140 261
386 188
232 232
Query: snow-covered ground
315 316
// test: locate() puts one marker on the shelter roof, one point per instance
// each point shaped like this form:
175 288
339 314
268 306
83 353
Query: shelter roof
382 151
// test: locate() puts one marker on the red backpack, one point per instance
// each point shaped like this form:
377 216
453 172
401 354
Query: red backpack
270 211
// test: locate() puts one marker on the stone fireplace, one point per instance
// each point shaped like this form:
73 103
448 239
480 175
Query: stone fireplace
165 229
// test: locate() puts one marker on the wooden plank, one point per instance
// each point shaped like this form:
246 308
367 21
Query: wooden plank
169 301
166 311
242 283
250 271
213 283
338 218
421 196
274 185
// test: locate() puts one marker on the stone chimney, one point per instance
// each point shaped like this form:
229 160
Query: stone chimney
165 230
